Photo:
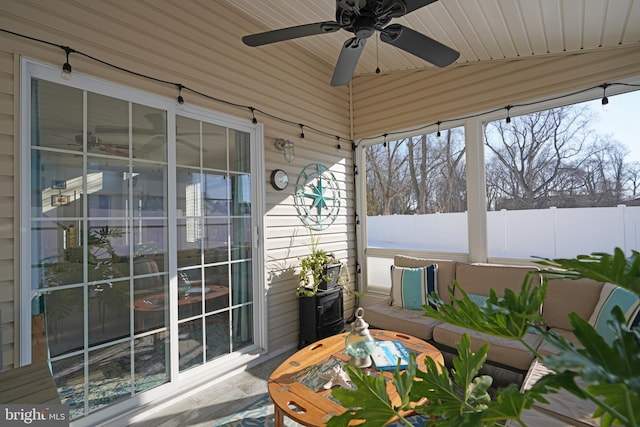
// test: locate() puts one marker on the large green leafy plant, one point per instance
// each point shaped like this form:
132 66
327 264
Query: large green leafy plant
460 397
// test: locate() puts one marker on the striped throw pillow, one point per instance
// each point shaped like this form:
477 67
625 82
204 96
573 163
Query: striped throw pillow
610 296
410 286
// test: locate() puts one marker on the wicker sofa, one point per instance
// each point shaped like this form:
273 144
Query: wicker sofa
508 361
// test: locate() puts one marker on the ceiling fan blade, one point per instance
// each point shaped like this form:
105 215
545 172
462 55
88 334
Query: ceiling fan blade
109 129
161 140
289 33
113 151
412 5
419 45
347 61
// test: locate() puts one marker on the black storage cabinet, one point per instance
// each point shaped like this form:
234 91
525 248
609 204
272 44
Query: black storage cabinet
321 315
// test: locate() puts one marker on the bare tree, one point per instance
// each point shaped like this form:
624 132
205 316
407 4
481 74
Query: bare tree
546 158
537 152
452 194
633 179
387 178
428 159
605 173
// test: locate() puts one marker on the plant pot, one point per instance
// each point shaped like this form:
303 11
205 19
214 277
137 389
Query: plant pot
332 273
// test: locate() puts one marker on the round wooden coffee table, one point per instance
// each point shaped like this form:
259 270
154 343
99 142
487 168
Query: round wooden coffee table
313 406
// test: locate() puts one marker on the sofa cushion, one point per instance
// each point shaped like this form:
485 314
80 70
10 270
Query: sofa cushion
562 405
479 278
610 296
411 286
393 318
502 350
547 349
566 296
446 271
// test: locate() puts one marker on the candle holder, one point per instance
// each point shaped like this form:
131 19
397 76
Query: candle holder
360 344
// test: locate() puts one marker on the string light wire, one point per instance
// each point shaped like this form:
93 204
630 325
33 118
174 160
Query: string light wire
496 110
181 87
254 110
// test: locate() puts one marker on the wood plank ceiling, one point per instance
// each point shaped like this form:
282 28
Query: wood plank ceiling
481 30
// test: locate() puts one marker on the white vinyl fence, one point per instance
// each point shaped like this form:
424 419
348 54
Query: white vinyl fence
552 233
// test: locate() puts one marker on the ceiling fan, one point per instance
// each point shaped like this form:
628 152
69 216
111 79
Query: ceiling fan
363 18
157 133
94 141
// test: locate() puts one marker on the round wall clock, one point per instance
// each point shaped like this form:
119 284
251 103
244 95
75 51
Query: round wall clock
317 197
279 179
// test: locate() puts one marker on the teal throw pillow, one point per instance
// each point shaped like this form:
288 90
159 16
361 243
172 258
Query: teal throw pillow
411 286
478 299
610 296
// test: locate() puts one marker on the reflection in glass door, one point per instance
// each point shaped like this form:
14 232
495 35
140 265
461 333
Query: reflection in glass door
98 245
215 302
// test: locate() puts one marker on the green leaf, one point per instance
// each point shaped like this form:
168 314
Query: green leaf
509 317
619 397
509 404
403 381
368 401
468 363
443 391
612 371
617 268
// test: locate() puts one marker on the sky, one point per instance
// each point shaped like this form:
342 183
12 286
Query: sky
621 120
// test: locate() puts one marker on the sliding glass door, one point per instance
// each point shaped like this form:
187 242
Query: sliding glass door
214 260
140 230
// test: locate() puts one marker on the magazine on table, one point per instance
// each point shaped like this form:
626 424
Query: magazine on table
386 354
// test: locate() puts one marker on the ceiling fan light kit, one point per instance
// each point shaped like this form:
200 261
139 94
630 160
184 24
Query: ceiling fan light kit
363 18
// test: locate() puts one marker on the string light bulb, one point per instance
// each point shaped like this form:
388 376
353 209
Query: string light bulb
338 145
508 119
180 98
605 100
66 67
438 133
301 131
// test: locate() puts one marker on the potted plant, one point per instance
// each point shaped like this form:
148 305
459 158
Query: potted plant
319 270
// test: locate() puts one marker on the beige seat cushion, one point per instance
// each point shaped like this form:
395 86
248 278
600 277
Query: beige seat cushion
562 405
566 296
501 350
446 271
392 318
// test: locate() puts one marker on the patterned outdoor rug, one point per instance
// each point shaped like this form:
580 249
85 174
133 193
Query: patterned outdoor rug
260 413
257 413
